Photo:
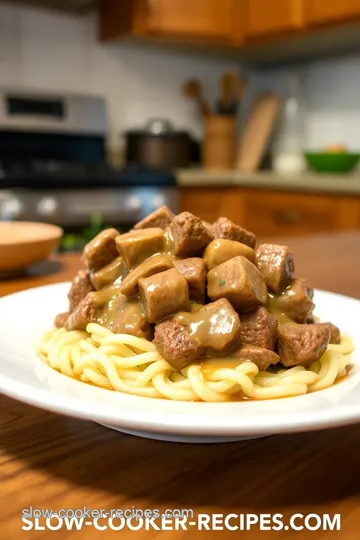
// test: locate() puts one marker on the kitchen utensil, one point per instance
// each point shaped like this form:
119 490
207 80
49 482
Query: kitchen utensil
219 147
158 146
257 131
332 162
227 103
23 243
193 90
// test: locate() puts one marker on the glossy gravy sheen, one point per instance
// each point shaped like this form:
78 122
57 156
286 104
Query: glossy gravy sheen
205 324
274 307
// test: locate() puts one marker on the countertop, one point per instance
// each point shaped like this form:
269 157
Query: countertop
51 461
321 183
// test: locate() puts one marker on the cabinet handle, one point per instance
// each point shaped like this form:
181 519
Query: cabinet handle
287 217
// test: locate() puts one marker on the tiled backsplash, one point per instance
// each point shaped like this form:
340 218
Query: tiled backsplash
59 52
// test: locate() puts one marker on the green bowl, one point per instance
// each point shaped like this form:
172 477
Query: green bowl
332 162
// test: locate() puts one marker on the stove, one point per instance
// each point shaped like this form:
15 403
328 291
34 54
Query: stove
53 169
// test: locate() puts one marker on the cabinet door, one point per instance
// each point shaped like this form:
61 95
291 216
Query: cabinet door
332 11
211 203
269 213
275 17
198 18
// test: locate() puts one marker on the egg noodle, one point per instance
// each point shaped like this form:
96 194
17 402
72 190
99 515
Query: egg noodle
132 365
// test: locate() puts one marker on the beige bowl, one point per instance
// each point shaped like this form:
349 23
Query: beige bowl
23 243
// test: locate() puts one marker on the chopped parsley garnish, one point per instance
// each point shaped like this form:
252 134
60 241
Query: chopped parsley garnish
221 283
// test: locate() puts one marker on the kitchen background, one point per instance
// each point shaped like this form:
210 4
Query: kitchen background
62 53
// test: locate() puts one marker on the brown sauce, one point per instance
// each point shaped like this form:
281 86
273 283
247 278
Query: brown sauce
207 325
274 306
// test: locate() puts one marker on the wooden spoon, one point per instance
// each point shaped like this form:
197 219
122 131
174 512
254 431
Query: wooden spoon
193 90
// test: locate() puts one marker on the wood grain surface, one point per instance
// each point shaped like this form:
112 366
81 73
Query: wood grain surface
51 461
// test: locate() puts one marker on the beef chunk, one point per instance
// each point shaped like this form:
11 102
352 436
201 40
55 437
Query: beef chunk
189 234
263 358
108 274
113 311
175 344
162 217
61 319
216 326
194 271
335 334
259 328
101 250
80 287
224 228
295 302
240 282
86 312
302 343
135 246
152 265
163 294
276 264
221 250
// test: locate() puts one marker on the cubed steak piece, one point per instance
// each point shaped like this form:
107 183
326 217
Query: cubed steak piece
80 287
302 343
263 358
335 334
113 311
189 234
224 228
135 246
259 328
152 265
101 250
87 311
294 303
240 282
61 319
175 344
108 275
276 264
162 217
221 250
216 326
163 294
194 271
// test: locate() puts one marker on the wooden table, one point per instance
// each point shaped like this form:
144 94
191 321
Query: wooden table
50 461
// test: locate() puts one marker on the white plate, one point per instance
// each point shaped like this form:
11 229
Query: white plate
26 315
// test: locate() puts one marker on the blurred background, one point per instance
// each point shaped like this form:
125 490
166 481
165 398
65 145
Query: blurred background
243 108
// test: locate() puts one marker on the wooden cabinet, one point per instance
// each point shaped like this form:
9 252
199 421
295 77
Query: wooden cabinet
275 214
271 213
192 19
265 18
332 11
242 24
201 18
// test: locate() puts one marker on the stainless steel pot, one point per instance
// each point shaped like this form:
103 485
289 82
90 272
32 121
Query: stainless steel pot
158 146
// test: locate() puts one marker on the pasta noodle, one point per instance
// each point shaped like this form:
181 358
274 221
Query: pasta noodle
132 365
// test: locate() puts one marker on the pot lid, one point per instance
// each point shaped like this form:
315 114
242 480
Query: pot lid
158 127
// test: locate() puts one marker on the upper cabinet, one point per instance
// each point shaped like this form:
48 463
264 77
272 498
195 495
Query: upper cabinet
264 18
183 19
332 11
198 18
252 26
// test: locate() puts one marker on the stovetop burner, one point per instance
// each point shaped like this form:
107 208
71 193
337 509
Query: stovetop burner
49 174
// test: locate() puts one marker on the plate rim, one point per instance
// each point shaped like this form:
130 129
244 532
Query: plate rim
277 422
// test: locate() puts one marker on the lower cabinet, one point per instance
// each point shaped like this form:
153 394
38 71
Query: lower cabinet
272 213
